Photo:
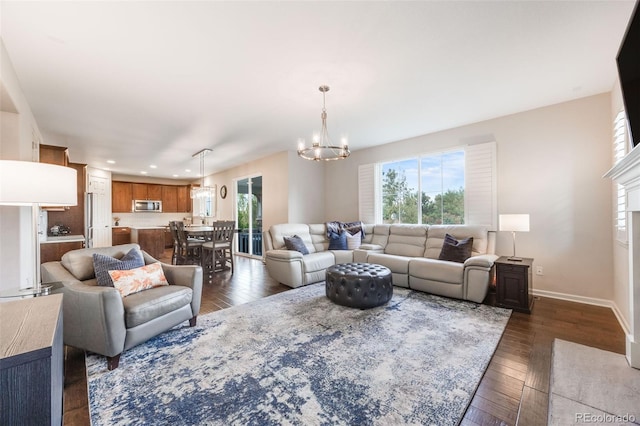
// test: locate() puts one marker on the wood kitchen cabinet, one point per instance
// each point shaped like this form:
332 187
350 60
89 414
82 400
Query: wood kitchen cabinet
31 361
169 199
121 196
50 252
120 235
58 155
184 199
146 191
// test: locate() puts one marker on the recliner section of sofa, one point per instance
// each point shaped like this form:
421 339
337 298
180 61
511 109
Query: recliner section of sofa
410 251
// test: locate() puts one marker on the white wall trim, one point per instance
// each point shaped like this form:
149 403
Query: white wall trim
588 301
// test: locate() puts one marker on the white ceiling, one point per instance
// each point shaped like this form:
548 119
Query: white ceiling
154 82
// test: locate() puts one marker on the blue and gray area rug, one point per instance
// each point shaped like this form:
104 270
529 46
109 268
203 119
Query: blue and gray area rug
297 358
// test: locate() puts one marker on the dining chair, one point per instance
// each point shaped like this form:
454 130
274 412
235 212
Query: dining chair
178 256
191 248
218 252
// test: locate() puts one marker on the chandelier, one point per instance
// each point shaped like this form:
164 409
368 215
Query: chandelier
203 191
321 148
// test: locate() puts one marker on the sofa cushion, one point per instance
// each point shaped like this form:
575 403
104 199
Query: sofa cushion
102 264
456 250
134 280
144 306
407 240
79 262
318 261
337 241
436 270
437 233
397 264
278 232
295 243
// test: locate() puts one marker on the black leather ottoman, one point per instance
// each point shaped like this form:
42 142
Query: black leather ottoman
359 285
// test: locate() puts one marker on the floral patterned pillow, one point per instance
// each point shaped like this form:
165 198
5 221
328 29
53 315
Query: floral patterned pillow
138 279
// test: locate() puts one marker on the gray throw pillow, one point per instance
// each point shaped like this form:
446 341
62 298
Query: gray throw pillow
103 264
455 250
295 243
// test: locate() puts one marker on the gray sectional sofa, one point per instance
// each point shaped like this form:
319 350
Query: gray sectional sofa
411 252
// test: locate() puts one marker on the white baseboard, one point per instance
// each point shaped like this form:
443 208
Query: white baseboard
588 301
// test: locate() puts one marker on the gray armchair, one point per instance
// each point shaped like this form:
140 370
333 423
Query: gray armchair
100 320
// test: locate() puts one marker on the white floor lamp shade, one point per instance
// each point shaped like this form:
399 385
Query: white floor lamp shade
27 183
514 223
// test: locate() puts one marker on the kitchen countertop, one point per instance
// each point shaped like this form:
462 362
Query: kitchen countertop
63 239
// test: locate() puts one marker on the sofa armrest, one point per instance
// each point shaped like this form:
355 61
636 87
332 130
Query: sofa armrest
54 271
483 261
284 254
188 276
93 317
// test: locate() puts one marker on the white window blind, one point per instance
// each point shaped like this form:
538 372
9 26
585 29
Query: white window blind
619 151
481 201
367 183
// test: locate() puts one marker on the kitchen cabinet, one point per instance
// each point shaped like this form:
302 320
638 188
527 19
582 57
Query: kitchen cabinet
50 252
58 155
168 238
31 361
121 196
71 216
146 191
150 240
169 199
120 235
184 199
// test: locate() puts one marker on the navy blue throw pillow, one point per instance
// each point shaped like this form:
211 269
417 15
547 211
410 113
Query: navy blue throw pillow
455 250
103 264
295 243
337 241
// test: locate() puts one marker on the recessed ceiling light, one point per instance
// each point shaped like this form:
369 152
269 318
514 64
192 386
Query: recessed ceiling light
175 175
187 170
153 166
143 172
111 162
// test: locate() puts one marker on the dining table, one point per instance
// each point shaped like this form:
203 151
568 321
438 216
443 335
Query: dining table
199 231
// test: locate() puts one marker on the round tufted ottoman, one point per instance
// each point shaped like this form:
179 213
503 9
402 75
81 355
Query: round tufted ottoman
359 285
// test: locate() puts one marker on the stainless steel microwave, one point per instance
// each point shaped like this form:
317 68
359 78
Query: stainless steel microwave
147 206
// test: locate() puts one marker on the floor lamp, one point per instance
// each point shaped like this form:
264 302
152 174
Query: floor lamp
514 223
27 183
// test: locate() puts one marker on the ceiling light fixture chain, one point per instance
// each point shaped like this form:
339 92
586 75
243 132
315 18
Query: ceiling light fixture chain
203 191
321 147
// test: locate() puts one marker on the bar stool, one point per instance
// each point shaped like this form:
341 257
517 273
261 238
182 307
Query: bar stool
218 252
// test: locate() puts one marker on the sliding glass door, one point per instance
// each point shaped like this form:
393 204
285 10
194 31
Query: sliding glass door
249 214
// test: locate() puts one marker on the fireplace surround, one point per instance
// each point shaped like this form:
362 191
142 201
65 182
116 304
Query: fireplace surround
627 173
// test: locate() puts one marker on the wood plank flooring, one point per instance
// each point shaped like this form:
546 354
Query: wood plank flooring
514 389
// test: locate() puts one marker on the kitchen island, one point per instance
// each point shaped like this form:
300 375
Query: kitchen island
150 239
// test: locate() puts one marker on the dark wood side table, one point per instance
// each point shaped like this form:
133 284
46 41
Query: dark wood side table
31 361
514 284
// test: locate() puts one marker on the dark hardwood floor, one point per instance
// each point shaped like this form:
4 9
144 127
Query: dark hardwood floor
514 389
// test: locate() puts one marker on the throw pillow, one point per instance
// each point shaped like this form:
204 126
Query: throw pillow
102 264
295 243
456 250
354 241
338 241
138 279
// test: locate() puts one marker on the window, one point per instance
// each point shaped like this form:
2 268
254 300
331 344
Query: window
453 187
428 189
619 151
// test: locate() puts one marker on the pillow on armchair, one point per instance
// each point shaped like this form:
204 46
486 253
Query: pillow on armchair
102 264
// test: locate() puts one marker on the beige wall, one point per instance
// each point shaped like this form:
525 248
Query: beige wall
273 170
550 164
306 190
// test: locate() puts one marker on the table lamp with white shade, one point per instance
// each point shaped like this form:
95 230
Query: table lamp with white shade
514 223
27 183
